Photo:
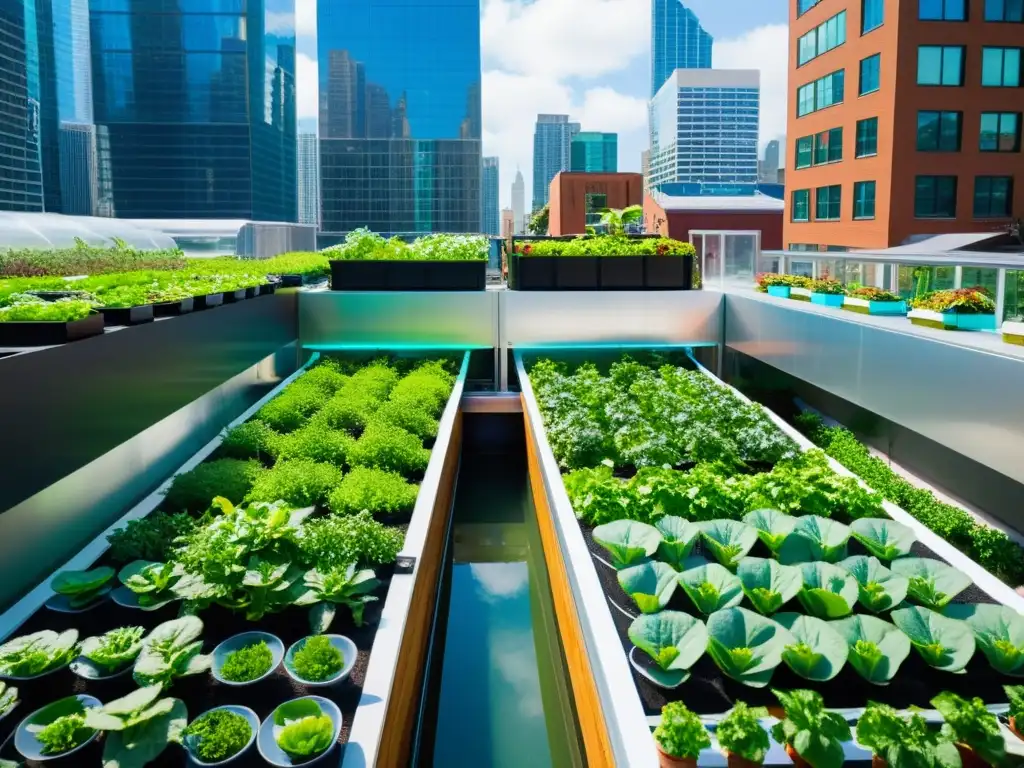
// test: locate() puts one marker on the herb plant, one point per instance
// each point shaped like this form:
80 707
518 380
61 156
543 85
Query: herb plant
301 729
1014 696
410 416
39 652
114 649
252 440
138 726
968 722
65 311
813 733
337 541
385 446
377 490
317 660
326 376
905 740
63 734
316 441
740 733
350 411
298 482
217 735
680 733
293 407
150 538
195 490
247 663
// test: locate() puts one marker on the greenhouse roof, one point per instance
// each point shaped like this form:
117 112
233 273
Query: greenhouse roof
54 230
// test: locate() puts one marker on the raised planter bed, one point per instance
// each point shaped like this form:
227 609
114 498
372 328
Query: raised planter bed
267 289
576 273
402 275
800 294
174 308
621 273
40 334
232 296
1013 332
208 301
952 321
127 315
867 307
291 281
605 273
779 291
827 299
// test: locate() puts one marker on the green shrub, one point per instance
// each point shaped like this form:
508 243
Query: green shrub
293 407
410 416
428 387
252 440
149 538
375 490
351 412
386 446
376 379
329 542
298 482
325 376
316 441
194 490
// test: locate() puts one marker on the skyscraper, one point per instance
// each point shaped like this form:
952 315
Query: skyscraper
678 41
21 182
770 164
400 126
519 203
594 152
552 142
704 128
195 112
309 179
490 221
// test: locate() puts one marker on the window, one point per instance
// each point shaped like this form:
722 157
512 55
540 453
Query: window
940 65
864 200
870 74
804 152
822 39
827 202
823 92
828 146
1004 10
803 6
942 10
938 131
1000 67
993 197
935 197
867 137
801 206
1000 131
872 14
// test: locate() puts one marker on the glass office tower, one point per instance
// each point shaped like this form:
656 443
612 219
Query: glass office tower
490 219
552 143
594 152
21 183
400 148
678 41
195 108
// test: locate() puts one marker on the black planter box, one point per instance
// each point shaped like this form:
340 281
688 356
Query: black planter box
349 275
456 275
173 308
408 275
43 333
253 292
267 289
127 315
291 281
232 296
535 273
621 273
576 273
668 273
208 301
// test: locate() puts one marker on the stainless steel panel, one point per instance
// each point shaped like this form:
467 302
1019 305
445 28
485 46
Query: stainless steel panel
966 398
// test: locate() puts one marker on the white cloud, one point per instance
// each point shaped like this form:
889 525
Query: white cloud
765 48
500 581
305 18
306 86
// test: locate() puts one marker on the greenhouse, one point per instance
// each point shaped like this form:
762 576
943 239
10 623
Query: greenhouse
369 507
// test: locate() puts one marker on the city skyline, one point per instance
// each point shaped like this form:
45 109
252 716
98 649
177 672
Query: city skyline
552 152
490 217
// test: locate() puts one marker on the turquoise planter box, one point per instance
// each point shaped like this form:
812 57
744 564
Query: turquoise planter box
974 322
887 307
779 291
828 299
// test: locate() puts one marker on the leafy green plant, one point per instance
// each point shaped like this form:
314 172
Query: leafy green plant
83 587
829 592
37 653
377 490
193 491
150 538
967 301
817 651
904 740
252 440
740 733
815 538
316 441
772 526
123 296
170 651
326 376
138 726
293 407
944 643
998 631
932 583
349 411
317 659
152 583
301 728
385 446
361 244
677 539
8 698
767 584
885 539
673 639
64 311
340 585
114 649
427 387
680 733
968 722
247 663
728 540
878 589
217 735
410 416
297 482
627 541
711 587
650 584
1015 698
62 734
876 647
746 646
809 730
339 540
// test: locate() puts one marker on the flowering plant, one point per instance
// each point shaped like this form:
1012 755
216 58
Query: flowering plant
966 301
766 279
870 293
827 285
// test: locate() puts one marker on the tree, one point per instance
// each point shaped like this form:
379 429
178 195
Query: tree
615 221
539 222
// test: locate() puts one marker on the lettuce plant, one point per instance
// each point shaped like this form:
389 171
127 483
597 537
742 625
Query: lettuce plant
876 647
885 539
944 643
998 631
326 376
217 735
878 588
341 585
711 587
767 584
83 587
152 583
38 653
627 541
650 584
1014 696
674 640
376 490
809 730
677 539
932 583
815 538
746 646
8 698
969 722
65 732
772 526
740 733
318 659
170 651
114 649
817 651
829 592
138 726
248 663
904 740
728 540
680 733
302 730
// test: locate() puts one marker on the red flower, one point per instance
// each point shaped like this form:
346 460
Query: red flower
527 249
662 249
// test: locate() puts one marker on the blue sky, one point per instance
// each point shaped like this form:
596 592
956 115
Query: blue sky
589 59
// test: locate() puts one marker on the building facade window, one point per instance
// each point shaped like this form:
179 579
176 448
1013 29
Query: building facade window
804 152
935 197
870 74
827 203
1004 10
940 65
800 208
872 14
803 6
942 10
864 200
993 197
822 39
938 131
828 146
1001 67
1000 131
824 92
867 137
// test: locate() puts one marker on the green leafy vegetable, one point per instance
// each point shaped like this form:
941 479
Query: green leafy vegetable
1015 697
293 407
772 526
885 539
677 539
317 659
627 541
385 446
815 734
905 741
817 651
218 735
876 647
650 584
342 585
153 583
316 441
248 663
746 646
673 639
252 440
150 538
8 698
83 587
877 588
301 729
829 592
114 649
170 651
740 733
37 653
337 541
195 490
296 482
944 643
711 587
767 584
376 490
998 631
815 538
63 734
680 733
968 722
728 540
932 583
139 726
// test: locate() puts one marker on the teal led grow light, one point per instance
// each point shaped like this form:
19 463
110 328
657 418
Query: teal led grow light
399 346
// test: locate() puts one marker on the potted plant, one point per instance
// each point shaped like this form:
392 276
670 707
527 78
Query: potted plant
874 301
827 292
743 739
896 739
1012 330
1015 695
777 285
32 322
680 736
973 728
125 305
819 733
963 309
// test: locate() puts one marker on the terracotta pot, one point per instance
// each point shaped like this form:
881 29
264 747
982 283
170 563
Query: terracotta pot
878 762
735 761
969 758
1013 728
798 761
666 760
